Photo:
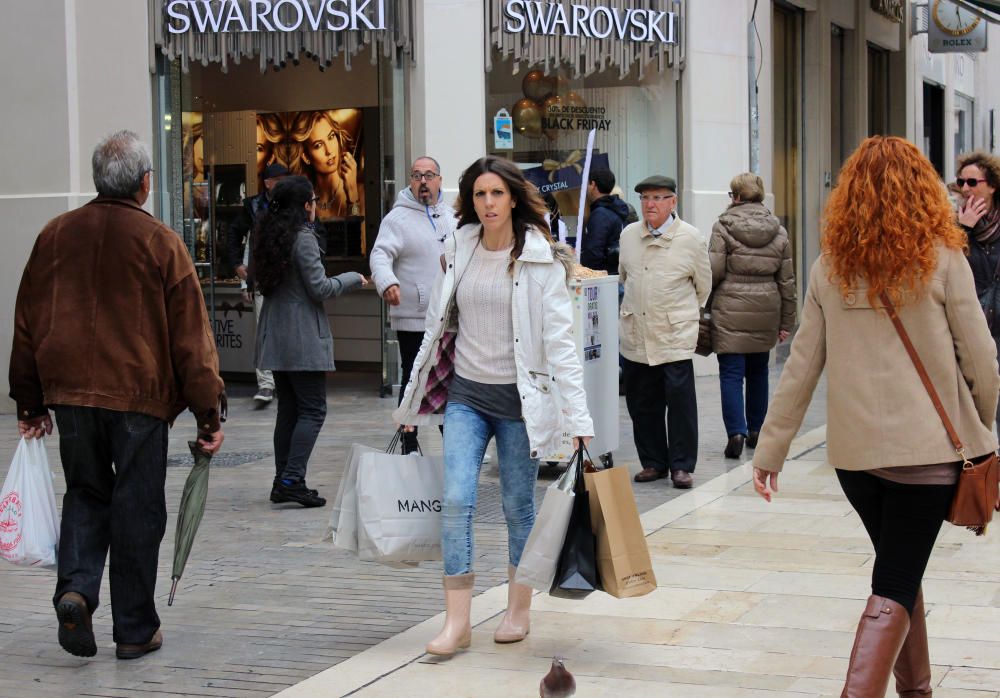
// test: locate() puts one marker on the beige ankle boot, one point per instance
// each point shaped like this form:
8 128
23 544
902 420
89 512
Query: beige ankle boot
457 631
514 626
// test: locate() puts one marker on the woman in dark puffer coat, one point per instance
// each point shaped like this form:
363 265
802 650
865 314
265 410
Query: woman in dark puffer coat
753 305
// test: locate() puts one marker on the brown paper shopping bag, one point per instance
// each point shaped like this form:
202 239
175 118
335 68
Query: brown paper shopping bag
622 555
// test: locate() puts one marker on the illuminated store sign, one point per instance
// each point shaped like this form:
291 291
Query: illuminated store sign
234 16
558 19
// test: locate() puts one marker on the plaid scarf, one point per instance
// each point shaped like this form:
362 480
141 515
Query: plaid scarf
440 376
987 230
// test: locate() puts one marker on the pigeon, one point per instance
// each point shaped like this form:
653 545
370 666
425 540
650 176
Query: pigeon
558 683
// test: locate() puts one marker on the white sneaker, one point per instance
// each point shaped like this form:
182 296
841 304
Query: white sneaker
264 396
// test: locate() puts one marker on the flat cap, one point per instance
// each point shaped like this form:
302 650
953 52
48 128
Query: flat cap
275 170
657 182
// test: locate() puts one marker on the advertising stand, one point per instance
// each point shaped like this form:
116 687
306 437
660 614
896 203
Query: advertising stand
595 331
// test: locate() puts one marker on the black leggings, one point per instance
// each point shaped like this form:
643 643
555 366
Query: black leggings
903 522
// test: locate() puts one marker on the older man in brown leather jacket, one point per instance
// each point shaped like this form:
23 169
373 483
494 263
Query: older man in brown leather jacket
111 331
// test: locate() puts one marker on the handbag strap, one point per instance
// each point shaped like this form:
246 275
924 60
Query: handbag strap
924 378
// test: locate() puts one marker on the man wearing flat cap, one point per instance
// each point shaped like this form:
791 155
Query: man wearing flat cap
240 251
667 277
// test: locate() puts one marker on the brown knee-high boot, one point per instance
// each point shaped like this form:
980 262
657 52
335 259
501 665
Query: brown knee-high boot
880 635
457 631
913 667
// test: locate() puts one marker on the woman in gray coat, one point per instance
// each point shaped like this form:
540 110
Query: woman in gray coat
753 305
293 333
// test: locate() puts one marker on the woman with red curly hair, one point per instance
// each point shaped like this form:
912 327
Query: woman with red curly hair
889 228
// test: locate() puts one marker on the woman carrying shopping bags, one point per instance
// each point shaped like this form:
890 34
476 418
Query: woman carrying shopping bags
498 360
889 233
293 333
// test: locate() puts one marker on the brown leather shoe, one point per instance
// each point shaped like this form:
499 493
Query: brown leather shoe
76 634
649 474
682 479
127 651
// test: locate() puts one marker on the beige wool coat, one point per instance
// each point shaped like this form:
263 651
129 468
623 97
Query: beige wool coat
878 413
753 281
667 280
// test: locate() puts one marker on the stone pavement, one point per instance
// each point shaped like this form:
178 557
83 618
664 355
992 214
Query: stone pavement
264 602
754 600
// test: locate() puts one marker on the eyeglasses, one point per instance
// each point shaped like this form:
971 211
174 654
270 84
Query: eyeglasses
424 176
656 198
971 181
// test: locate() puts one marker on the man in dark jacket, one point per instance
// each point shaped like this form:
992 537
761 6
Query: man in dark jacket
240 241
111 331
599 249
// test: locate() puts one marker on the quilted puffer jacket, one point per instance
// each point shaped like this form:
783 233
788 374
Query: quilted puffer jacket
753 282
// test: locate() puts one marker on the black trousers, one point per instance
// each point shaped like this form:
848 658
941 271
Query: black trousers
903 521
301 414
409 347
115 465
649 392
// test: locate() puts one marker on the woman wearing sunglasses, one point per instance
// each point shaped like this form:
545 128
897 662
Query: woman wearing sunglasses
979 214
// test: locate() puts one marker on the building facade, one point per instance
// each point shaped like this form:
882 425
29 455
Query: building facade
348 93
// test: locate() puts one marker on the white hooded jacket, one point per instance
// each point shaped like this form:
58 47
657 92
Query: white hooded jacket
549 373
406 252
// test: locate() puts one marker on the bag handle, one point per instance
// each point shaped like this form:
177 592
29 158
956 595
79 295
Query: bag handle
925 379
395 441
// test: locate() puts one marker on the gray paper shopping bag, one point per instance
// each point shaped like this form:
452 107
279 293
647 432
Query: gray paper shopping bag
399 507
537 568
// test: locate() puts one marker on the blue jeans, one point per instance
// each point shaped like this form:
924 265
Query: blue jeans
466 434
733 369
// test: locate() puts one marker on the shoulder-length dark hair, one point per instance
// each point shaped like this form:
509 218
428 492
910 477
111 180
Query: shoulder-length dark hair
277 229
529 209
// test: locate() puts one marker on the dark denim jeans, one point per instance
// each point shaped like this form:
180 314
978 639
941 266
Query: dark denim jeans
733 370
301 413
115 465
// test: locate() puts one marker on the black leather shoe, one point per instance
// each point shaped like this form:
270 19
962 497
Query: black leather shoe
276 496
752 439
734 449
296 492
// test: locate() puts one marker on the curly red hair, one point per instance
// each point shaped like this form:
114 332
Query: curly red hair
885 218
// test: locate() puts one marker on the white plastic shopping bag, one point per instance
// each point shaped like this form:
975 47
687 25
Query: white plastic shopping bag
399 507
29 520
343 529
537 568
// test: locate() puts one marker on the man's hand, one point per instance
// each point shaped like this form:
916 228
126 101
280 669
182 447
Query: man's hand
391 295
974 209
36 427
245 295
783 335
211 443
241 271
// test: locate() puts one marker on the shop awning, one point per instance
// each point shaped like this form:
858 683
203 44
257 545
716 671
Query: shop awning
277 33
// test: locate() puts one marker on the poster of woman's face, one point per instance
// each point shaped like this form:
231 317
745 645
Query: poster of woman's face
327 147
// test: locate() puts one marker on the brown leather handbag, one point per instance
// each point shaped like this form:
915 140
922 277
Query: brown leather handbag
979 482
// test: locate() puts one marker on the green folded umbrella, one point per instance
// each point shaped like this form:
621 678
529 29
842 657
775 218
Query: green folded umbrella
191 510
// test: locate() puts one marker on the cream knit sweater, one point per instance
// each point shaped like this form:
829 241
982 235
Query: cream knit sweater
484 349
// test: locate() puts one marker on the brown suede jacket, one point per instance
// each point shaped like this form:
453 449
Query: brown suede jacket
110 314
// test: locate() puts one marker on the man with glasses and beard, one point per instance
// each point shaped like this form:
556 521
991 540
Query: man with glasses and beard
405 261
667 277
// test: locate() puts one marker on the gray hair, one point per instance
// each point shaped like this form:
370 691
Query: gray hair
437 165
120 162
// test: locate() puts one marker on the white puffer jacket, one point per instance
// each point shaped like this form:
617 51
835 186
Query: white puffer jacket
549 374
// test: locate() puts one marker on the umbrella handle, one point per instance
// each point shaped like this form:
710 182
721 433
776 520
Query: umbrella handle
173 590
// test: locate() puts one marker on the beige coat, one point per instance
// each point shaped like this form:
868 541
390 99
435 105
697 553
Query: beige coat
878 413
752 278
667 280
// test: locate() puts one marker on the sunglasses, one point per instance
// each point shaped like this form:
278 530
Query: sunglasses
971 181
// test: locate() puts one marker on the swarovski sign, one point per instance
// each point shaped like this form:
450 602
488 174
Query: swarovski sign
234 16
556 19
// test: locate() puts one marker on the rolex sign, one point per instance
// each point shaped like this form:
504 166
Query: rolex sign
954 29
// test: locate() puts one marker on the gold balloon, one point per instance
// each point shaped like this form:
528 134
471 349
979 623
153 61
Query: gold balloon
536 86
573 99
527 117
560 85
552 109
